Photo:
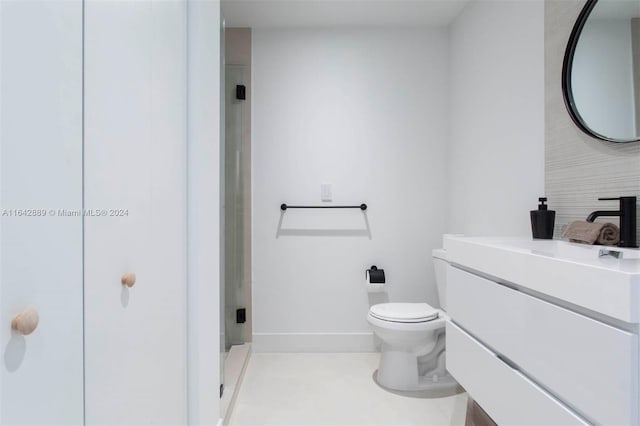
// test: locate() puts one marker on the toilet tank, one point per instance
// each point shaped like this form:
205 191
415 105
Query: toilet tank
440 268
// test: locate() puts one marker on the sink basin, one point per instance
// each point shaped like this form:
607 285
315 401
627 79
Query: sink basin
566 250
601 279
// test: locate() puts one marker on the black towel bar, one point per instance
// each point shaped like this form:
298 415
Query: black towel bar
284 207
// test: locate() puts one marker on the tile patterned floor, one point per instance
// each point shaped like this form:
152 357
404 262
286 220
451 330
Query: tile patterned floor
331 389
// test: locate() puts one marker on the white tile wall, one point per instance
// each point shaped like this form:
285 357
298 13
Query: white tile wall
578 168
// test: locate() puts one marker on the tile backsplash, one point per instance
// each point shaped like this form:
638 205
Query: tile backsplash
578 168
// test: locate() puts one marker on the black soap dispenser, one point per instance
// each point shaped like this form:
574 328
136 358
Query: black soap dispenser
542 221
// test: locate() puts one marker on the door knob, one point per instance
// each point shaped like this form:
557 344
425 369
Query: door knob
128 279
26 321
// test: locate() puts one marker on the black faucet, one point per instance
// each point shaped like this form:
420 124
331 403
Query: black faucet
627 214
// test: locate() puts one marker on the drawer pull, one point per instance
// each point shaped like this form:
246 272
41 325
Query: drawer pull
128 279
507 361
26 321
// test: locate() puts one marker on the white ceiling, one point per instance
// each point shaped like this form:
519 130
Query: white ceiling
339 13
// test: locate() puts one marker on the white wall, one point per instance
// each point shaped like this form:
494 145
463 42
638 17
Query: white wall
496 155
203 211
366 111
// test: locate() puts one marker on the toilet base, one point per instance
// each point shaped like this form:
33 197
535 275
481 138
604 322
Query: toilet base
427 387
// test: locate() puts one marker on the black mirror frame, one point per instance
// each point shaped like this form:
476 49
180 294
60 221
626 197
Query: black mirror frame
567 92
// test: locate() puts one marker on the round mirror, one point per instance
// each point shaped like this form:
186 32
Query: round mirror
601 71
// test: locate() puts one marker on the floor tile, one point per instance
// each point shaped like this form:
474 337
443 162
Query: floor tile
331 389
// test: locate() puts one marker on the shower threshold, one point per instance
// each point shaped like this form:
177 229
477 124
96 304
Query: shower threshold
235 364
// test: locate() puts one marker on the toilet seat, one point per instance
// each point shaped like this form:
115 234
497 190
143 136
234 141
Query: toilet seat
404 312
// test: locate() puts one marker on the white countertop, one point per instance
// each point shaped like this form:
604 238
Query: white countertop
571 272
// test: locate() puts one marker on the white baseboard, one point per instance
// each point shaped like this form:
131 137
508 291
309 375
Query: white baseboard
313 342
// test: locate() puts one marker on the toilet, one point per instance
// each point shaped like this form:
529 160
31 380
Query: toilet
413 341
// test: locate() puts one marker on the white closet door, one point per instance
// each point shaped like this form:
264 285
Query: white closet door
135 154
41 250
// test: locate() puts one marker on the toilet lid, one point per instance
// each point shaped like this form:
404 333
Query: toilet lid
404 312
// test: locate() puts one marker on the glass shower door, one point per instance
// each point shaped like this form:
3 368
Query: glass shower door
235 204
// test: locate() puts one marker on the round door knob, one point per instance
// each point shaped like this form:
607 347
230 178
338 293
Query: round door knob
128 279
26 321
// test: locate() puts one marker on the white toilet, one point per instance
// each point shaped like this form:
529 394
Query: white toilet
413 341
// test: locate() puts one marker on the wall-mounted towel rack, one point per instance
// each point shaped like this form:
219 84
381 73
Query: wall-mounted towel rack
284 207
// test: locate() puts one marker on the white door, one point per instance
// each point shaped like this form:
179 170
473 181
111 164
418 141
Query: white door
40 202
135 153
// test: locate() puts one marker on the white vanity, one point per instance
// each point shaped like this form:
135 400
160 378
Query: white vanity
545 332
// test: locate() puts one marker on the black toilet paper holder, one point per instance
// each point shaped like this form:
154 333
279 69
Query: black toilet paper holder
375 275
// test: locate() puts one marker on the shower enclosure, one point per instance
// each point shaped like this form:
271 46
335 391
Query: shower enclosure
237 215
235 261
235 291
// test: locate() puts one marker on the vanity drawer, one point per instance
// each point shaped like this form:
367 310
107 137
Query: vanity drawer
589 365
505 394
